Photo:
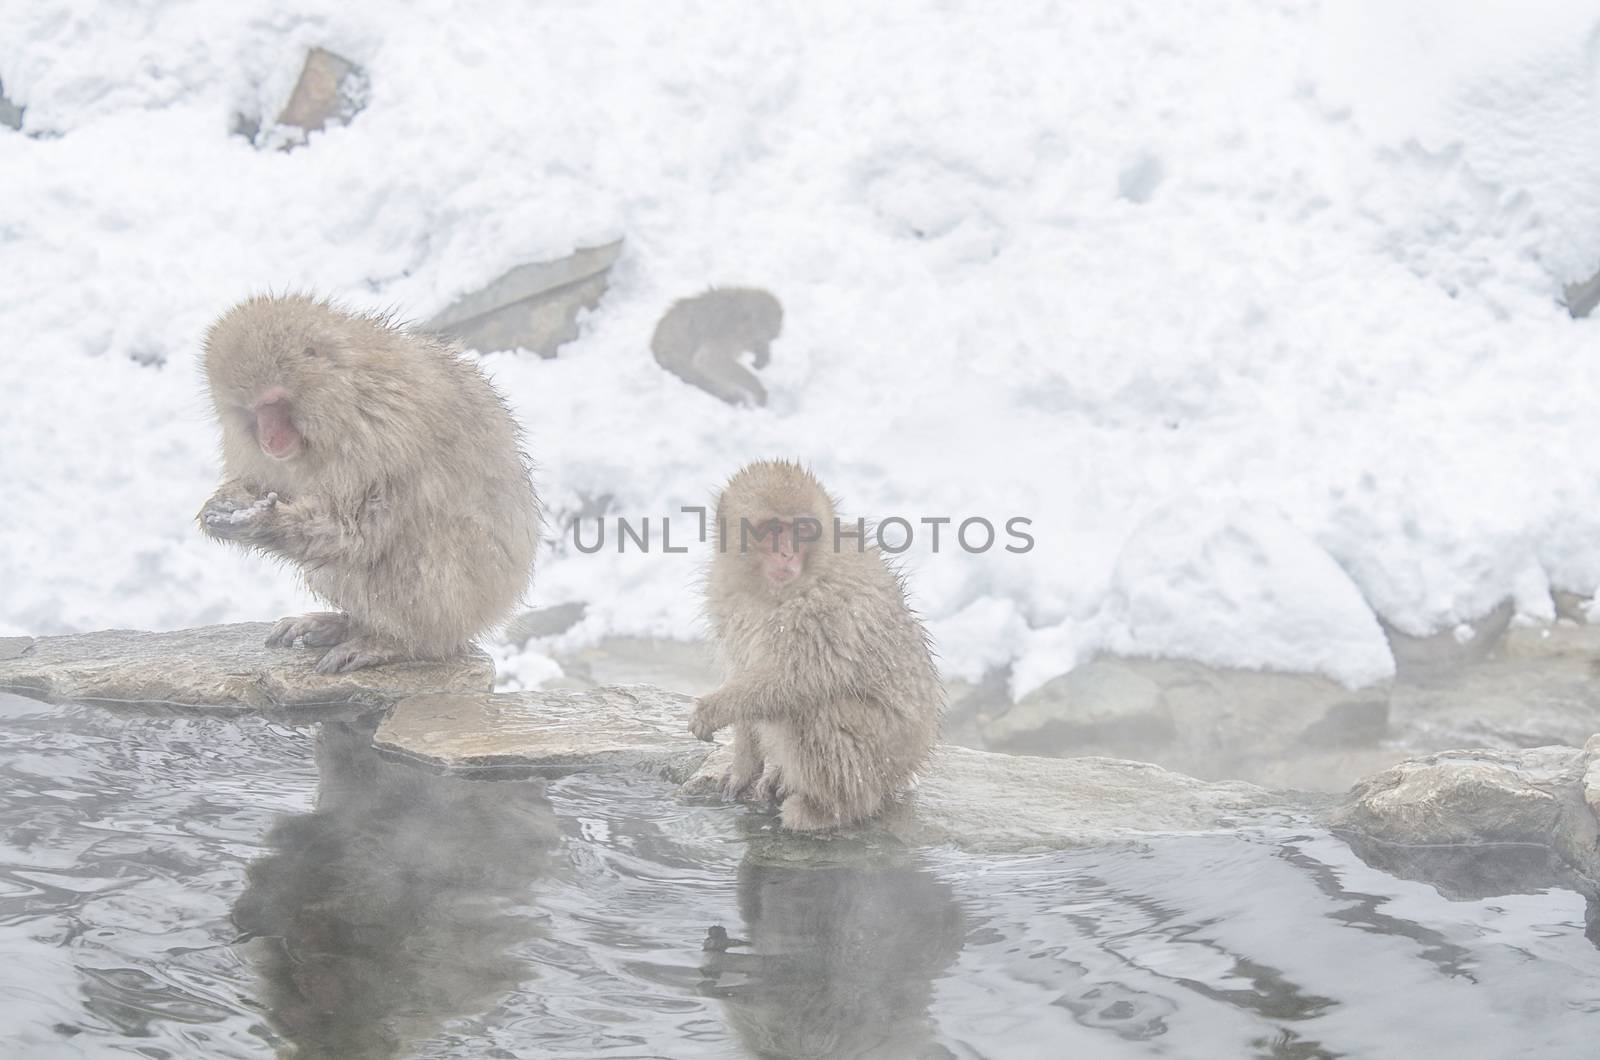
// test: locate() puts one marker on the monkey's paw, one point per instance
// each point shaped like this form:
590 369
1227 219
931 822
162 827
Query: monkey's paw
319 629
769 787
357 653
230 519
735 782
705 722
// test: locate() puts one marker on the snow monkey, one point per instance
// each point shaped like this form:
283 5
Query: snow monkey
382 465
830 685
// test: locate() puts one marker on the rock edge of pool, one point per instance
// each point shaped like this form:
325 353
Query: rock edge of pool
444 716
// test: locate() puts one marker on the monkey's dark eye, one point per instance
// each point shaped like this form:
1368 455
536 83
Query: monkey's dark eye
309 351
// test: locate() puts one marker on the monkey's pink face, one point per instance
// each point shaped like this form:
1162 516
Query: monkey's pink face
781 552
275 431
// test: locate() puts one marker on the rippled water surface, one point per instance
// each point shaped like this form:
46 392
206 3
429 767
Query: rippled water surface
173 885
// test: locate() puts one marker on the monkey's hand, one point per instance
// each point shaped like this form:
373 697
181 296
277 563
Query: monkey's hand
710 714
232 516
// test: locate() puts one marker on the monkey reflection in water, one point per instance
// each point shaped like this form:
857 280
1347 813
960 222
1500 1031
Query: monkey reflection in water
394 905
839 959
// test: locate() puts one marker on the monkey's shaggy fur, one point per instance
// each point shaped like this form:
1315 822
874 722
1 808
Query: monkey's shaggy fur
407 503
830 683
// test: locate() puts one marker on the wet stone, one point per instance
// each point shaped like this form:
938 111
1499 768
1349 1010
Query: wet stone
979 800
557 731
1467 798
222 667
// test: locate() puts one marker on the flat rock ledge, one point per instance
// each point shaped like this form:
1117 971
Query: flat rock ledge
996 802
221 667
559 731
972 799
1544 796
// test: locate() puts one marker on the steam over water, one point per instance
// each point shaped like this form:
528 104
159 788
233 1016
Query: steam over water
174 885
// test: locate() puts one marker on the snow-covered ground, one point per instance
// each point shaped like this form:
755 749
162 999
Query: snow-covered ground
1252 308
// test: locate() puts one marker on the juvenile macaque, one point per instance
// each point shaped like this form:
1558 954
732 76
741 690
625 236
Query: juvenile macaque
382 465
830 685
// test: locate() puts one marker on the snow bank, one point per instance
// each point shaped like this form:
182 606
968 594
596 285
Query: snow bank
1066 262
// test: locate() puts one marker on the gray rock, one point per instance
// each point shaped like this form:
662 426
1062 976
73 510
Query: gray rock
636 727
1570 605
971 798
684 666
1201 720
1421 656
1533 692
1561 639
533 307
1481 797
972 707
544 622
13 647
1101 702
331 91
221 667
1581 298
979 800
10 113
701 340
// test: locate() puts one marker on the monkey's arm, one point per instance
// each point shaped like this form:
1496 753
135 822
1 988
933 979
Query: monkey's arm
765 695
309 530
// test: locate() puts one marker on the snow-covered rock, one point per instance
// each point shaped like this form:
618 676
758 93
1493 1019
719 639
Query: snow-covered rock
1237 586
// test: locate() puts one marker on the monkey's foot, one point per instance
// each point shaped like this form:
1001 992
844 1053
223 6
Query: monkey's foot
358 653
738 780
319 629
803 814
769 788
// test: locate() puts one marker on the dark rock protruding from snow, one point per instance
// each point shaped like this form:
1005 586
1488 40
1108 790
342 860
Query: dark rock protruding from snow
533 307
331 91
221 667
703 339
10 113
1446 651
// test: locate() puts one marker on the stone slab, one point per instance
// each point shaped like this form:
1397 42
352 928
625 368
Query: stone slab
556 731
981 800
222 667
